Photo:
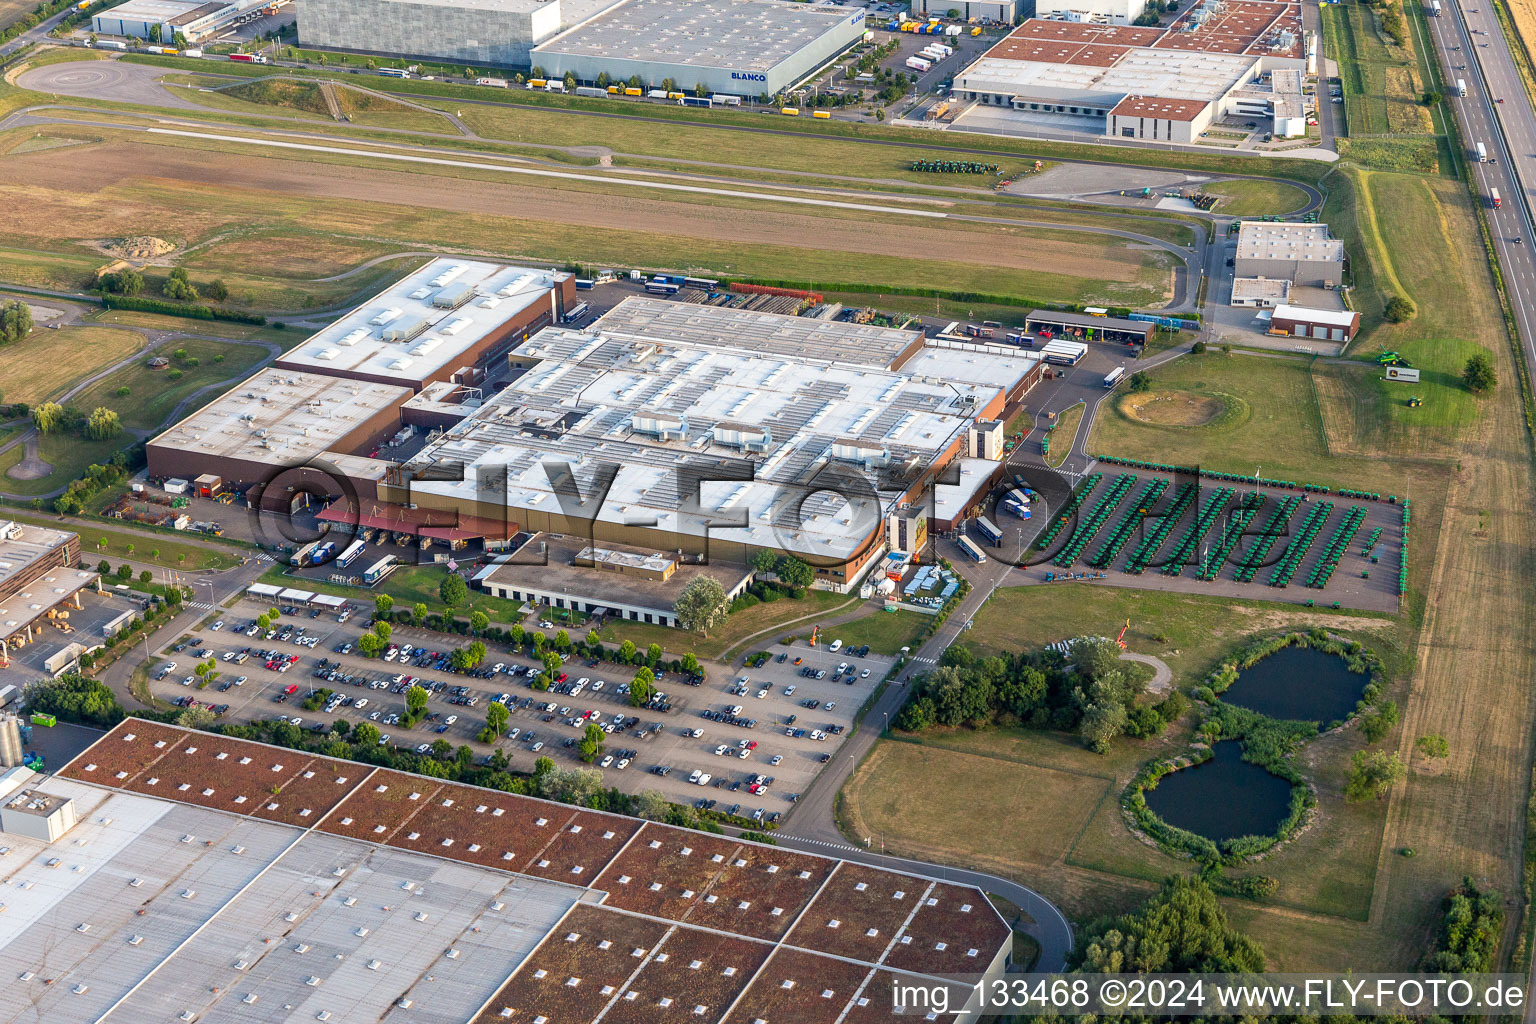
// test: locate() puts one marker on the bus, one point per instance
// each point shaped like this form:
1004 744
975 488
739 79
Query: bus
394 72
989 531
1114 377
661 287
707 283
585 284
577 312
350 555
378 570
971 551
1493 194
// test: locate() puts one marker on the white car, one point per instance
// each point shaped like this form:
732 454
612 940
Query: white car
217 626
498 666
188 681
606 761
228 656
761 694
513 734
546 624
864 674
721 749
703 780
789 691
374 717
695 733
423 748
450 719
362 702
743 753
695 775
383 740
623 763
391 654
597 684
776 759
537 746
240 681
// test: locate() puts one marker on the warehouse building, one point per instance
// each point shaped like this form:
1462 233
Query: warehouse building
1303 254
1322 324
495 32
1104 12
37 581
1221 59
706 430
193 19
451 319
1003 11
278 421
214 878
738 47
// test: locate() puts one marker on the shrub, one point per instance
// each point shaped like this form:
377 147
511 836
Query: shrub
1399 310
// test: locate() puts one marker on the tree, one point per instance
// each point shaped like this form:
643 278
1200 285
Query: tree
537 71
691 664
195 718
418 613
700 604
591 745
1399 310
669 84
603 79
627 652
416 699
1434 746
514 635
125 572
366 735
154 32
178 287
382 605
763 560
653 655
1181 929
1372 775
74 698
383 631
123 282
561 641
634 82
1198 348
793 572
1479 374
1431 98
699 90
478 621
15 321
569 80
218 291
1140 381
652 805
453 591
102 424
145 576
641 688
46 417
476 653
496 717
1379 722
369 645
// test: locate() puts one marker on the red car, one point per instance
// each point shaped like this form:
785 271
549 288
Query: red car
292 690
562 677
752 744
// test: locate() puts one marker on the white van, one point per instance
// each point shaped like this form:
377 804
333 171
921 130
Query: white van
693 776
837 645
704 779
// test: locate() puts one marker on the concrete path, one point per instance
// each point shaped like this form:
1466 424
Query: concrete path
1162 677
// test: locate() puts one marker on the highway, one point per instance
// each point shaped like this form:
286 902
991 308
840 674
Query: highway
1468 34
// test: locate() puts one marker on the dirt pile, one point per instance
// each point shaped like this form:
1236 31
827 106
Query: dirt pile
139 247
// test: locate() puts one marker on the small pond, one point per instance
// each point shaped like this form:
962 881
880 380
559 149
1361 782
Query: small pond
1222 798
1299 683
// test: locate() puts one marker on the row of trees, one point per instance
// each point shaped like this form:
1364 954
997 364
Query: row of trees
99 424
96 478
178 285
1089 692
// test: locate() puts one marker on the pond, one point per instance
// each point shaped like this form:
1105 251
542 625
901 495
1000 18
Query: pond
1299 683
1222 798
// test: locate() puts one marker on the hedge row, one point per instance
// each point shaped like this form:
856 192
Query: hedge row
183 309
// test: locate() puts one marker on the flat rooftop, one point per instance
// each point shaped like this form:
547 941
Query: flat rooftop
1260 288
423 323
1139 71
406 898
659 409
795 337
1254 27
160 10
281 417
742 35
1267 240
21 544
561 564
1332 317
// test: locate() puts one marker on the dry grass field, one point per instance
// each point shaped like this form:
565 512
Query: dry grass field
46 363
212 192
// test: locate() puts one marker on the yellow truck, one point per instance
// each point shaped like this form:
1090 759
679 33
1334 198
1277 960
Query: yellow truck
790 111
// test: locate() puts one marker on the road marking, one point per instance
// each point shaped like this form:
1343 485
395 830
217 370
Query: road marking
204 605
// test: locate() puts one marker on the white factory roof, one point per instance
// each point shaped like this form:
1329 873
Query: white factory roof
1000 366
157 10
1269 240
21 544
601 398
742 35
281 417
950 500
423 323
1143 71
155 909
1307 314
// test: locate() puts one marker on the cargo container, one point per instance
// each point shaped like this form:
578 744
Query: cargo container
1494 195
971 551
111 45
614 90
1461 87
918 64
821 114
394 72
1434 8
661 288
590 90
191 53
1114 377
634 92
725 99
790 111
578 311
350 555
554 86
989 531
494 83
8 694
249 58
585 284
675 95
656 94
537 83
378 570
696 101
1482 153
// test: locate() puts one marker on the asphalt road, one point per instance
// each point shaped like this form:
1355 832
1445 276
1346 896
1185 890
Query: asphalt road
1508 130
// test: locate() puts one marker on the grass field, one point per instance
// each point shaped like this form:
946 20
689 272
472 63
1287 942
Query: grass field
217 328
1064 434
152 394
68 454
736 628
150 547
1246 197
45 363
885 632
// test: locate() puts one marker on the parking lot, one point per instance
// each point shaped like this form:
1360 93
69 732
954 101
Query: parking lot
678 736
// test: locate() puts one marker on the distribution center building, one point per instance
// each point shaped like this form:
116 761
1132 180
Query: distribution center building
738 47
1303 254
193 19
496 32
